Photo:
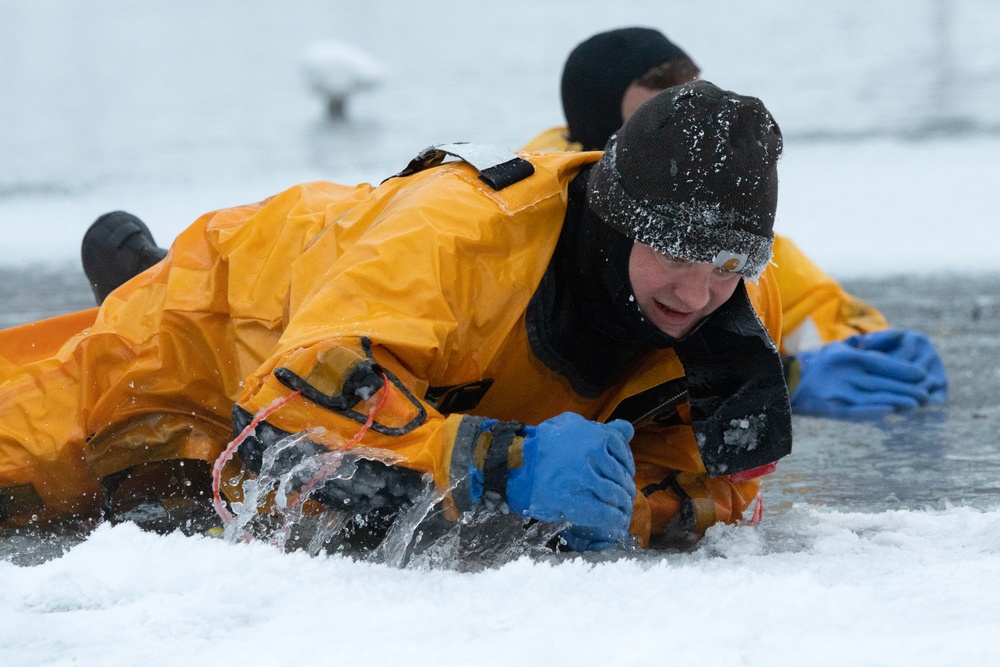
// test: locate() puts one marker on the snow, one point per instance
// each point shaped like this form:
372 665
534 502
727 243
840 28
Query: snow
141 107
884 207
874 208
896 588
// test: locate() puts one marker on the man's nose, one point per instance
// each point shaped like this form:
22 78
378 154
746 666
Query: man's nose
694 287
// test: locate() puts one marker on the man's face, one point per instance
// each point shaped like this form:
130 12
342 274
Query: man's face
674 295
636 94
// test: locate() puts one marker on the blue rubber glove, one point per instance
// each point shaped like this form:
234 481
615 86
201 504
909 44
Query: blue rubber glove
579 471
911 346
841 380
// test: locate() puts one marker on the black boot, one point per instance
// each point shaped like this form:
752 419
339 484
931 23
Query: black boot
116 248
163 496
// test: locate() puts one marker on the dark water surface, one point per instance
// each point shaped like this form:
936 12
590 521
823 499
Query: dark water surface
927 459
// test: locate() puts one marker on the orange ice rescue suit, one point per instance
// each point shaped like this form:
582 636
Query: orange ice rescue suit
433 291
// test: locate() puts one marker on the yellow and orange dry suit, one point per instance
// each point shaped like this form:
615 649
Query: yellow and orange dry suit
815 308
428 275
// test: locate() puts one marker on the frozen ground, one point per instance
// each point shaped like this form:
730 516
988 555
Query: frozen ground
881 541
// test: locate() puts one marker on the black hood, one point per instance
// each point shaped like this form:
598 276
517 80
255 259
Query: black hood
592 257
597 73
583 320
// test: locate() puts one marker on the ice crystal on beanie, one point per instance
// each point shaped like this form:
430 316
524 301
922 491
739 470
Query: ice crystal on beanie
694 175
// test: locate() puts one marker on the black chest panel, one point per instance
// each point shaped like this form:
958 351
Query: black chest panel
736 387
582 321
657 405
458 397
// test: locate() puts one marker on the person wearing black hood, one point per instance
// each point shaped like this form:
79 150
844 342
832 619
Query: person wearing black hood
607 77
571 338
841 358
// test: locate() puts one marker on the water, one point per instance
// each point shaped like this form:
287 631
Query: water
40 291
274 509
928 459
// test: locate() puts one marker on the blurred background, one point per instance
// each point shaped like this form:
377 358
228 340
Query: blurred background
99 91
891 110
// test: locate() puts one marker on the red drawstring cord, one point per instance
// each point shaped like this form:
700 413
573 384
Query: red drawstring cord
758 509
754 473
227 454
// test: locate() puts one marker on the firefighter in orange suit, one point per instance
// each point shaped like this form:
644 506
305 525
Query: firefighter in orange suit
841 358
568 337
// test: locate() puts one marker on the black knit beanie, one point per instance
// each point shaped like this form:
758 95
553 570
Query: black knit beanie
597 73
694 175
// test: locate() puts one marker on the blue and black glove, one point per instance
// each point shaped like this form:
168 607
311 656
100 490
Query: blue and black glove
578 471
870 375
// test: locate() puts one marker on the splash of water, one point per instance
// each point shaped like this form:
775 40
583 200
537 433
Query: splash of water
278 506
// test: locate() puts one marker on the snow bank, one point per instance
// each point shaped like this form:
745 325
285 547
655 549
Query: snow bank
814 587
857 209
